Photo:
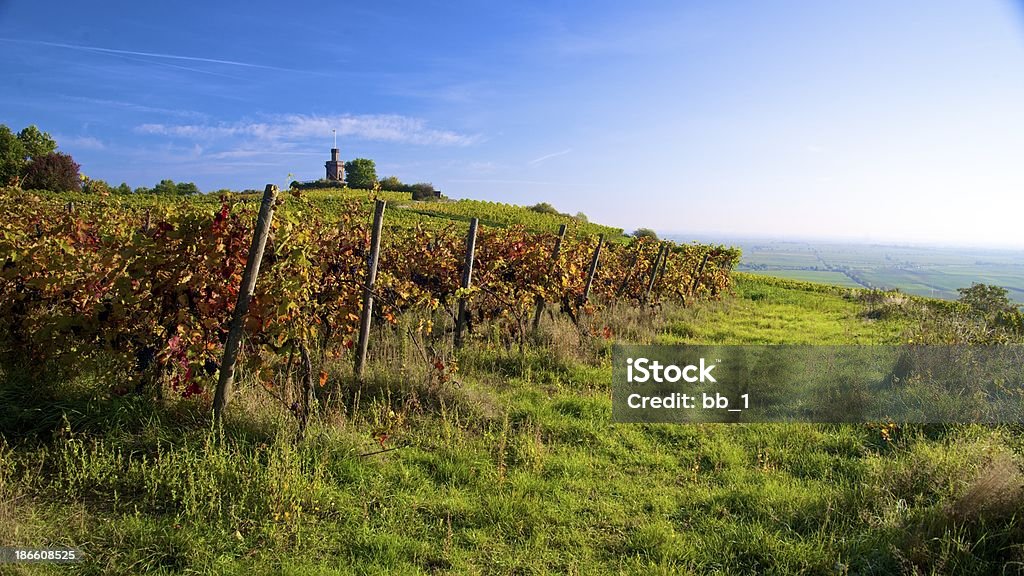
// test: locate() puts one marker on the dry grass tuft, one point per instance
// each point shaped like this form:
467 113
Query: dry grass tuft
995 492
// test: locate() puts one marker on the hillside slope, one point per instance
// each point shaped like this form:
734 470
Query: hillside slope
514 466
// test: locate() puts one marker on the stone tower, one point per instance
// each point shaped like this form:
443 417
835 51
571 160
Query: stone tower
335 168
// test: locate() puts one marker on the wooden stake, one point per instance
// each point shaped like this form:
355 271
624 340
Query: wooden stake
467 279
371 280
252 269
554 264
307 389
700 271
654 272
664 264
593 270
629 275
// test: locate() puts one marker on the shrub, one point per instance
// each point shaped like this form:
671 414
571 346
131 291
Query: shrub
170 188
544 208
98 187
54 171
645 233
393 184
423 191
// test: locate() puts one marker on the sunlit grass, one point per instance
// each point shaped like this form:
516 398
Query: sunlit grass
512 467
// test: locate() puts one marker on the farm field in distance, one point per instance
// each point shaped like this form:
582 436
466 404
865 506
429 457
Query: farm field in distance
934 271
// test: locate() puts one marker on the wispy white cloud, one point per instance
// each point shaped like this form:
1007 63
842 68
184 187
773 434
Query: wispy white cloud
501 181
290 127
549 156
79 142
135 107
252 152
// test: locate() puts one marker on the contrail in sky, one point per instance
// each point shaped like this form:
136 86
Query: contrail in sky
549 156
147 54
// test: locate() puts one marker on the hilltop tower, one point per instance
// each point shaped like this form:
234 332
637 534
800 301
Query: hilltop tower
335 168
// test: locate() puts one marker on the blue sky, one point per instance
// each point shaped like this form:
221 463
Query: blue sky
875 121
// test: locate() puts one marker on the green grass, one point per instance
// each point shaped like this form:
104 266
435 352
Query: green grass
818 276
514 468
766 311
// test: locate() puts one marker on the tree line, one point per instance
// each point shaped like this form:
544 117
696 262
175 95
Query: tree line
29 160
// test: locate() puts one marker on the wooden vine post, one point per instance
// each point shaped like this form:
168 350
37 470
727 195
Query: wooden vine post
664 261
593 270
700 272
371 281
628 276
654 272
467 279
252 269
554 264
664 264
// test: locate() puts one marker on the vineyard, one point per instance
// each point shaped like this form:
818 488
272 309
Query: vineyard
154 284
497 457
500 214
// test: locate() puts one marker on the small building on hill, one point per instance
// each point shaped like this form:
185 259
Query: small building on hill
335 168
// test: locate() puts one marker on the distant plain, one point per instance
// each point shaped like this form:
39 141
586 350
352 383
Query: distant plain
935 271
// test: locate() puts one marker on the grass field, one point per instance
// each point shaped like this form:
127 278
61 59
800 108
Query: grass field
817 276
514 468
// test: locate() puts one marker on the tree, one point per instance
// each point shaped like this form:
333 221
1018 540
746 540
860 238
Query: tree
423 191
986 300
54 171
544 208
165 186
991 305
581 217
361 173
95 186
123 188
12 156
645 233
187 188
36 143
16 150
172 188
393 184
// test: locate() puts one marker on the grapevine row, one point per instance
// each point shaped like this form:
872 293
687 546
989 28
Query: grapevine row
155 286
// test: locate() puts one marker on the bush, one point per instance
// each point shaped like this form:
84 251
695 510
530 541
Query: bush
645 233
393 184
321 184
423 191
170 188
544 208
55 171
98 187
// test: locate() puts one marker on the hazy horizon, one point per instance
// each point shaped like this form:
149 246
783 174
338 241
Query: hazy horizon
835 240
862 120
